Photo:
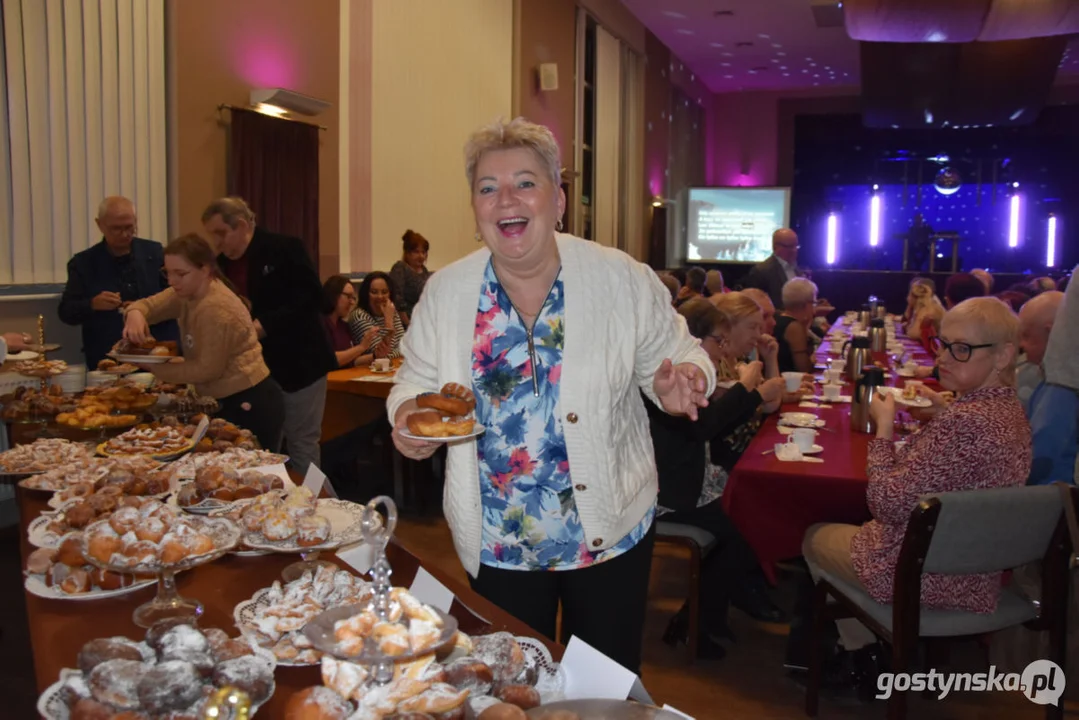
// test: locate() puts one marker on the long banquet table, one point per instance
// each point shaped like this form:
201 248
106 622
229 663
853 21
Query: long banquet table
59 628
773 502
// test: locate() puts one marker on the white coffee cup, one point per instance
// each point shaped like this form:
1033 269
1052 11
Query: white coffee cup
914 384
793 380
910 366
836 347
803 438
831 392
839 364
381 364
833 375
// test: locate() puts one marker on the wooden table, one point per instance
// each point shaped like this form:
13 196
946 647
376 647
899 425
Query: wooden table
355 397
59 628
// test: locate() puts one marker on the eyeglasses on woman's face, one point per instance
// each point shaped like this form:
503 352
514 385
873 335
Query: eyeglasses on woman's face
960 351
350 294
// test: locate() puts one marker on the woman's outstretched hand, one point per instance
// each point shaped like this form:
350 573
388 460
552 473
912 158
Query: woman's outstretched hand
681 388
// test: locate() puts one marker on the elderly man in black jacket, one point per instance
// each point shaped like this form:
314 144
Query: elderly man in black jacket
278 278
773 273
107 276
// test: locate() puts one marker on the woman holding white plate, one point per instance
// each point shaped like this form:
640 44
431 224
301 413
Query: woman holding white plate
557 337
982 440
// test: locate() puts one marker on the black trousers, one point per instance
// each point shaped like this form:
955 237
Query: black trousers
260 409
604 604
727 568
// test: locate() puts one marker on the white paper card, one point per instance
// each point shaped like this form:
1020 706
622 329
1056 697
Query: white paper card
676 711
591 674
429 590
360 557
314 480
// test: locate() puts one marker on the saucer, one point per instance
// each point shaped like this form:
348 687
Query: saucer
816 449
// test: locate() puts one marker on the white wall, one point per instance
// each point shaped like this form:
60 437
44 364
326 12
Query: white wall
439 71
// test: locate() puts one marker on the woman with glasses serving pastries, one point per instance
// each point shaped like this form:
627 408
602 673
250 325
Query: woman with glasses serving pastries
981 440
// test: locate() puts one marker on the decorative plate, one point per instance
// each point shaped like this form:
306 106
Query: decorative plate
246 614
320 631
210 505
345 520
52 706
916 401
35 585
142 359
225 534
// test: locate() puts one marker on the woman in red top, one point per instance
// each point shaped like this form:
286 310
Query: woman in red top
981 440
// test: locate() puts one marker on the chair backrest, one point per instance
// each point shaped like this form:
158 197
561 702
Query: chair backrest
980 531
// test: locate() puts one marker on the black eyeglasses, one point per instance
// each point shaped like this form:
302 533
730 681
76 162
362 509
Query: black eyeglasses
961 351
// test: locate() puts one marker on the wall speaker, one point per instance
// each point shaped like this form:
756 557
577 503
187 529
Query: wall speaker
548 77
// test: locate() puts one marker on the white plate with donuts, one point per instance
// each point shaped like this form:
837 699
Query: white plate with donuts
37 585
477 430
341 525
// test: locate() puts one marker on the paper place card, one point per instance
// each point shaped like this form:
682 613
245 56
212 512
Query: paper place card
678 712
314 480
808 404
429 590
359 556
592 675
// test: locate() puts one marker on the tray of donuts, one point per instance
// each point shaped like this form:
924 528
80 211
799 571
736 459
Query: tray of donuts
445 416
217 487
156 538
494 676
296 522
172 673
64 573
48 529
92 473
118 484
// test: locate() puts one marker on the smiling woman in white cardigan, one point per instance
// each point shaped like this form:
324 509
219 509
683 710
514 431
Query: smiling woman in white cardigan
556 336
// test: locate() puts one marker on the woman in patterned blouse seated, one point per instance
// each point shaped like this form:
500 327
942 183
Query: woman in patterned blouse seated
410 273
691 487
557 337
981 440
375 309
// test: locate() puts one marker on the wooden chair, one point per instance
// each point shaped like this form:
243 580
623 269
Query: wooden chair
959 533
699 543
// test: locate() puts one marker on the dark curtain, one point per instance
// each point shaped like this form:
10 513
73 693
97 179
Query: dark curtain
273 165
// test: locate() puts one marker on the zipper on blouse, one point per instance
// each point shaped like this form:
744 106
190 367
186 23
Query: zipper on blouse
530 328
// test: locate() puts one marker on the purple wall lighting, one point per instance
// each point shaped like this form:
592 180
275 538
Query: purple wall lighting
1013 221
874 218
1051 242
833 232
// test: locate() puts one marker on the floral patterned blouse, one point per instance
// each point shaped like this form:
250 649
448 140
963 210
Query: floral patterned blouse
981 441
530 519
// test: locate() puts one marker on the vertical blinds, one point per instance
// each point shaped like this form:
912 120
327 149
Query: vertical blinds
83 82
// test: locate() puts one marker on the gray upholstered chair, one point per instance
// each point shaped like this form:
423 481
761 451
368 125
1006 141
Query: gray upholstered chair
699 543
959 533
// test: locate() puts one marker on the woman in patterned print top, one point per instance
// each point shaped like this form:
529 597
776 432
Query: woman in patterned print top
375 310
554 503
982 440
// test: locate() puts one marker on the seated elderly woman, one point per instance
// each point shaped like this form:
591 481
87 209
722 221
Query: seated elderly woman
926 313
691 487
981 440
557 337
792 326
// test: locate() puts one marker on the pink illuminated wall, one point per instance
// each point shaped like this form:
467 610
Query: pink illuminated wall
742 148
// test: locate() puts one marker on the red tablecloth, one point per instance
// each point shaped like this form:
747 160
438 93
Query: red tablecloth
773 502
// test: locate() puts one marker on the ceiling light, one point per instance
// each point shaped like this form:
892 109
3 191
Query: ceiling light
715 44
744 43
723 13
673 14
777 45
762 36
685 32
781 54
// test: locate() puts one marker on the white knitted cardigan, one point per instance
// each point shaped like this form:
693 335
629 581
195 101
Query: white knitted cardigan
620 326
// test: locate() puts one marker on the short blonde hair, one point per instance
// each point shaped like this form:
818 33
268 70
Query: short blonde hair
736 306
799 292
231 209
992 321
509 135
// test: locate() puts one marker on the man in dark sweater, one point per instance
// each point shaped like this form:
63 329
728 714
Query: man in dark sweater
279 280
110 275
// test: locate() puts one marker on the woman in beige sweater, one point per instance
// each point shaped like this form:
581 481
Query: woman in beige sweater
222 354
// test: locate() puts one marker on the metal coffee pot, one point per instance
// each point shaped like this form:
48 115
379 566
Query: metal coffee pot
859 355
864 390
878 336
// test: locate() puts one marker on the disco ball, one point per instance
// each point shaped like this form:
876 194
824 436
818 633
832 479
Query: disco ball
947 181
